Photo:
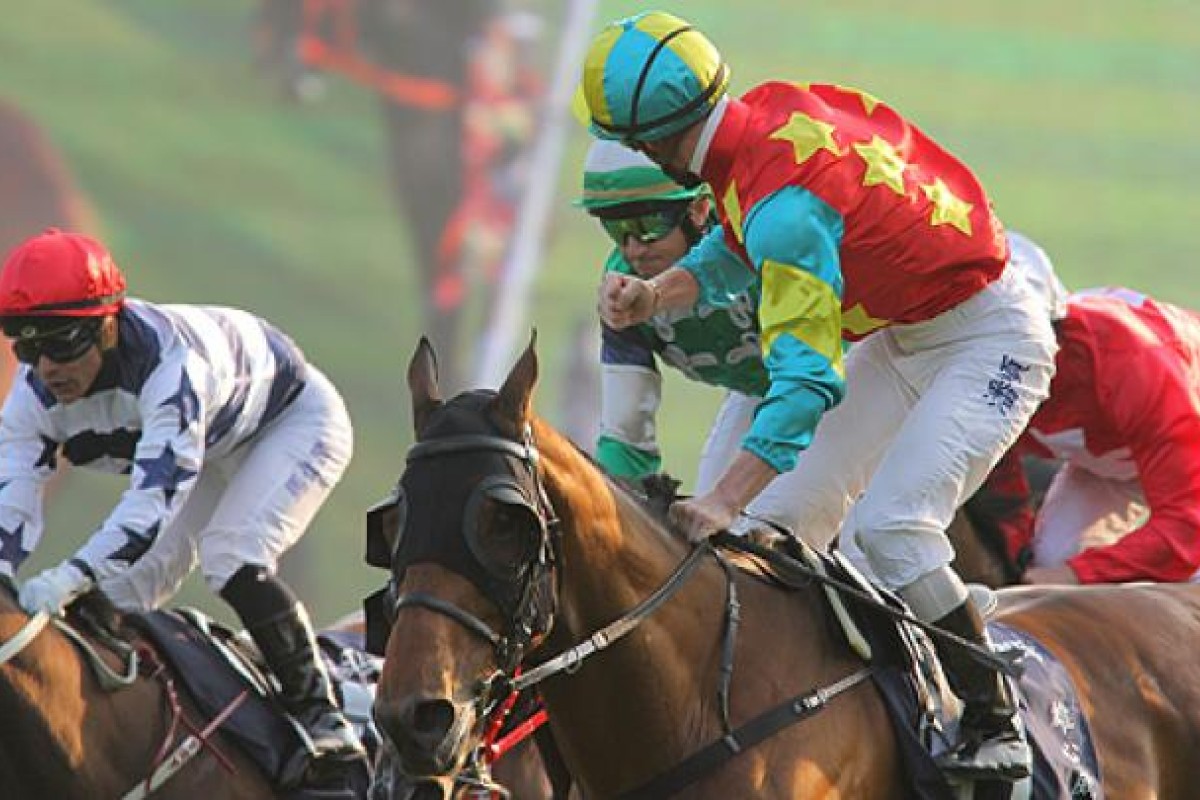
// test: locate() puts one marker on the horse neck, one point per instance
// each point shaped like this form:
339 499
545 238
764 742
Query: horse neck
648 701
614 552
42 705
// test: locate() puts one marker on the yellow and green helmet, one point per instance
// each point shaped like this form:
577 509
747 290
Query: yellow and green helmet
614 175
649 76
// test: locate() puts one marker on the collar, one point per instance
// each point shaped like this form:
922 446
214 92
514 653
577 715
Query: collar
711 123
718 149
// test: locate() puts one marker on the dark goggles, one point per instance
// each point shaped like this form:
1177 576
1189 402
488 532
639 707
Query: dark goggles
645 228
60 346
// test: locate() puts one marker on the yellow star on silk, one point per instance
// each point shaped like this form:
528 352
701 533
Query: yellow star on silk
948 208
884 165
807 136
859 322
869 101
733 209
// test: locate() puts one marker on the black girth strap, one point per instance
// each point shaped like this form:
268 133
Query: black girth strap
762 727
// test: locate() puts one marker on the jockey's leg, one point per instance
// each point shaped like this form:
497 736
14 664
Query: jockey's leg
1083 510
280 626
273 492
979 370
990 744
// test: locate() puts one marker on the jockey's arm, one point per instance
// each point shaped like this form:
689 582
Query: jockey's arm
1160 420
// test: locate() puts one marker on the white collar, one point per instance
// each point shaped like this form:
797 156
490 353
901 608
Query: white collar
706 135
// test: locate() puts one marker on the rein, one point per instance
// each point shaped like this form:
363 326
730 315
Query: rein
167 761
23 637
509 680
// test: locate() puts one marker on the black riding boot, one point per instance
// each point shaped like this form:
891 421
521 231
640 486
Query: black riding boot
289 647
989 743
280 627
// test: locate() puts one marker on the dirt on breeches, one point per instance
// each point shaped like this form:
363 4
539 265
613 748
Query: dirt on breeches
37 191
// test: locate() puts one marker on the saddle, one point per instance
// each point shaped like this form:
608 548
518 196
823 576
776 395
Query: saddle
226 678
923 709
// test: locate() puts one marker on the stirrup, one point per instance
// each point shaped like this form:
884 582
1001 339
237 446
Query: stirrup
1004 756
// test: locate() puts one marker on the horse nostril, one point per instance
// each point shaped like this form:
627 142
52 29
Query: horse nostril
432 719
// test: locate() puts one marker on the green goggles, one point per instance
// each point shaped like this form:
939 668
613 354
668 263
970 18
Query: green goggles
645 228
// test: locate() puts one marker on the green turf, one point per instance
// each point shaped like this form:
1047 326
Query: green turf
1081 117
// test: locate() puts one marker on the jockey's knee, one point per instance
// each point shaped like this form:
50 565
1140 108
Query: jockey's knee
899 551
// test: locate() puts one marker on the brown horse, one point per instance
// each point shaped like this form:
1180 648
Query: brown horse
512 545
67 737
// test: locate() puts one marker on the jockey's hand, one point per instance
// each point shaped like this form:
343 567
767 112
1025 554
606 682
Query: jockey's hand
54 589
1062 575
625 300
701 517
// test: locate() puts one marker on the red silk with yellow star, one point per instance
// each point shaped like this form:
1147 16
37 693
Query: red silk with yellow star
919 236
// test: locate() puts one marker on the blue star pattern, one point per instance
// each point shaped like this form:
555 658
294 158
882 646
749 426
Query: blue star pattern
136 543
12 545
186 401
49 455
163 473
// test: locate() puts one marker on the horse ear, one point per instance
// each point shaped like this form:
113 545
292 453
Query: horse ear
423 383
515 400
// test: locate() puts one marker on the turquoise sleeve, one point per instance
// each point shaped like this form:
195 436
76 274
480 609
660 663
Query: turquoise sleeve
794 239
721 273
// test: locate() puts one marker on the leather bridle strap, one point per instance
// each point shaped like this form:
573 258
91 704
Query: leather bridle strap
433 603
570 660
23 637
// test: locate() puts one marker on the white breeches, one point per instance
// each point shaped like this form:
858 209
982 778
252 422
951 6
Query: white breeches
929 410
251 506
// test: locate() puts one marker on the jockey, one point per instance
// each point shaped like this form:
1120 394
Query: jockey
1123 417
653 221
854 224
231 441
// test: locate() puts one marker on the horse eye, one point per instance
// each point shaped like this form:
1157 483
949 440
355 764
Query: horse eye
508 538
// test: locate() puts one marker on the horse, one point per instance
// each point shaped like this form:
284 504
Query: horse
68 736
417 57
517 563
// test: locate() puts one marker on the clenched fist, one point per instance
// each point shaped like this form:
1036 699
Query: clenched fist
626 300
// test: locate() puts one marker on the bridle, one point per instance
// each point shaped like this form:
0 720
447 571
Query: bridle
531 617
527 592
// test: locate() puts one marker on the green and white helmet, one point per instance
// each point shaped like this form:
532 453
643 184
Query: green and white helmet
614 175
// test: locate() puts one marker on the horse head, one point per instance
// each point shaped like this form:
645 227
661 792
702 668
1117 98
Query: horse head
472 551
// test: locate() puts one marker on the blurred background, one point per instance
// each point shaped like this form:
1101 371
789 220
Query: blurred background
362 172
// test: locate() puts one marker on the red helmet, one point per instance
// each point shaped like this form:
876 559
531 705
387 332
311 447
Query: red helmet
60 274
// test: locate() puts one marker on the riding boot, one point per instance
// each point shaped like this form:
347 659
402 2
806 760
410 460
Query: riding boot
289 647
990 743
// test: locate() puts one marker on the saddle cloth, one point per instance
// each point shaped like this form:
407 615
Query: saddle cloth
215 666
1065 763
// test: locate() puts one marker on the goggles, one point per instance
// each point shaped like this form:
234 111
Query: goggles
645 228
61 346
